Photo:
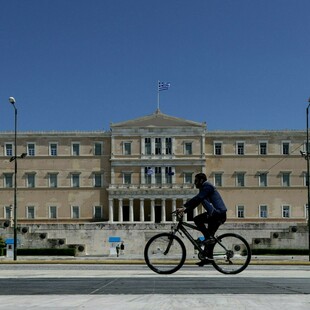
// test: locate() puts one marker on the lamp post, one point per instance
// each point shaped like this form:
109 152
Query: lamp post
14 158
308 178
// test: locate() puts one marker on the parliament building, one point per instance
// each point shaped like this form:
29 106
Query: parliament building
143 169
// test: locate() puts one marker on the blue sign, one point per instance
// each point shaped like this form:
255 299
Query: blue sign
10 241
114 239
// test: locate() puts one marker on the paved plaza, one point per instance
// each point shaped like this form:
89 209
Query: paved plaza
111 286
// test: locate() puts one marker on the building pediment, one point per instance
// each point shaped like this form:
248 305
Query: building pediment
158 119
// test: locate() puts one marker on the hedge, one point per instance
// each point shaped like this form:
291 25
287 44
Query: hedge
280 252
47 252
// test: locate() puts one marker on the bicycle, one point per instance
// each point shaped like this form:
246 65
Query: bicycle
165 253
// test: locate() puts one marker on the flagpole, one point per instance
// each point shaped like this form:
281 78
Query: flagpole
157 95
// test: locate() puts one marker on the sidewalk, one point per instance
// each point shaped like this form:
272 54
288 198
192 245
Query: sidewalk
135 259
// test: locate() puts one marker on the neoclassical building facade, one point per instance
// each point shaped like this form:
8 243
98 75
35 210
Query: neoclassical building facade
143 169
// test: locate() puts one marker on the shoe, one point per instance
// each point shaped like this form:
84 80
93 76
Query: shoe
203 262
209 241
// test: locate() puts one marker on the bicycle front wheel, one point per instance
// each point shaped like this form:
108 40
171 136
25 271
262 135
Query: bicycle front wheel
165 253
232 254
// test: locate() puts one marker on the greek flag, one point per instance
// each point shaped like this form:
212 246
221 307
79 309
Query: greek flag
163 86
149 171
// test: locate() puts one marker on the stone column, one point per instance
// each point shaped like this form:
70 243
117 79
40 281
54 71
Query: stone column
174 207
163 210
153 210
131 214
153 146
142 210
120 210
110 210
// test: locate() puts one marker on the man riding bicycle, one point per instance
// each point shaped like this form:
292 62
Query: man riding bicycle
214 216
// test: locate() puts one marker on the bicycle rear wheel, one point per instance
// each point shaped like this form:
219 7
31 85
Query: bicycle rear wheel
232 254
165 253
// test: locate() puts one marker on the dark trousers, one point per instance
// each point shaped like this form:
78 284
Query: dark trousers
214 222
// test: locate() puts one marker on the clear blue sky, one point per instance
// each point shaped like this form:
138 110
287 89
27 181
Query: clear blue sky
81 64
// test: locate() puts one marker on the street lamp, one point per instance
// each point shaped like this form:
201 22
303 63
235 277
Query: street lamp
306 155
14 158
308 179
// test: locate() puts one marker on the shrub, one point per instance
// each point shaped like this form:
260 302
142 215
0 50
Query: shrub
47 252
280 252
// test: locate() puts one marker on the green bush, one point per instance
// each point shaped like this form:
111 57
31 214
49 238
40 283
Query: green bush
47 252
280 252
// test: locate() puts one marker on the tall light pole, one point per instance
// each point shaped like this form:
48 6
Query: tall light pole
306 155
308 177
14 158
12 101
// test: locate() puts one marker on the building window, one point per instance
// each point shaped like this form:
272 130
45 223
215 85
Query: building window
52 213
240 177
188 178
263 211
75 149
8 212
148 146
157 175
8 149
286 211
75 212
158 146
127 148
218 179
263 179
188 148
168 146
240 211
218 148
286 179
30 212
263 148
75 180
98 179
98 212
53 149
98 148
169 174
127 177
285 148
148 171
240 148
52 180
8 180
31 180
31 149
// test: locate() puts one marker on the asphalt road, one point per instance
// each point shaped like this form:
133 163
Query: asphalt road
132 279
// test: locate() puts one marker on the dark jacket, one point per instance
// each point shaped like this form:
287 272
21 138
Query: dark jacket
209 197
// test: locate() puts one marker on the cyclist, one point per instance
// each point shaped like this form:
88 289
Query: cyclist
214 216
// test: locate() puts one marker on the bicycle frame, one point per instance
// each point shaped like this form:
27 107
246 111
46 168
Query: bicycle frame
181 228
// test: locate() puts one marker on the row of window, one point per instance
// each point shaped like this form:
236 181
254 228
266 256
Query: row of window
152 175
240 178
53 212
241 148
263 211
53 149
53 180
157 146
98 212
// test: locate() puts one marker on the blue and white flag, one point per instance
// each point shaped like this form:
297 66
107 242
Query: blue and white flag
163 86
150 171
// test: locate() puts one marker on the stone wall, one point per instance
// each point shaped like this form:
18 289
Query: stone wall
93 239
